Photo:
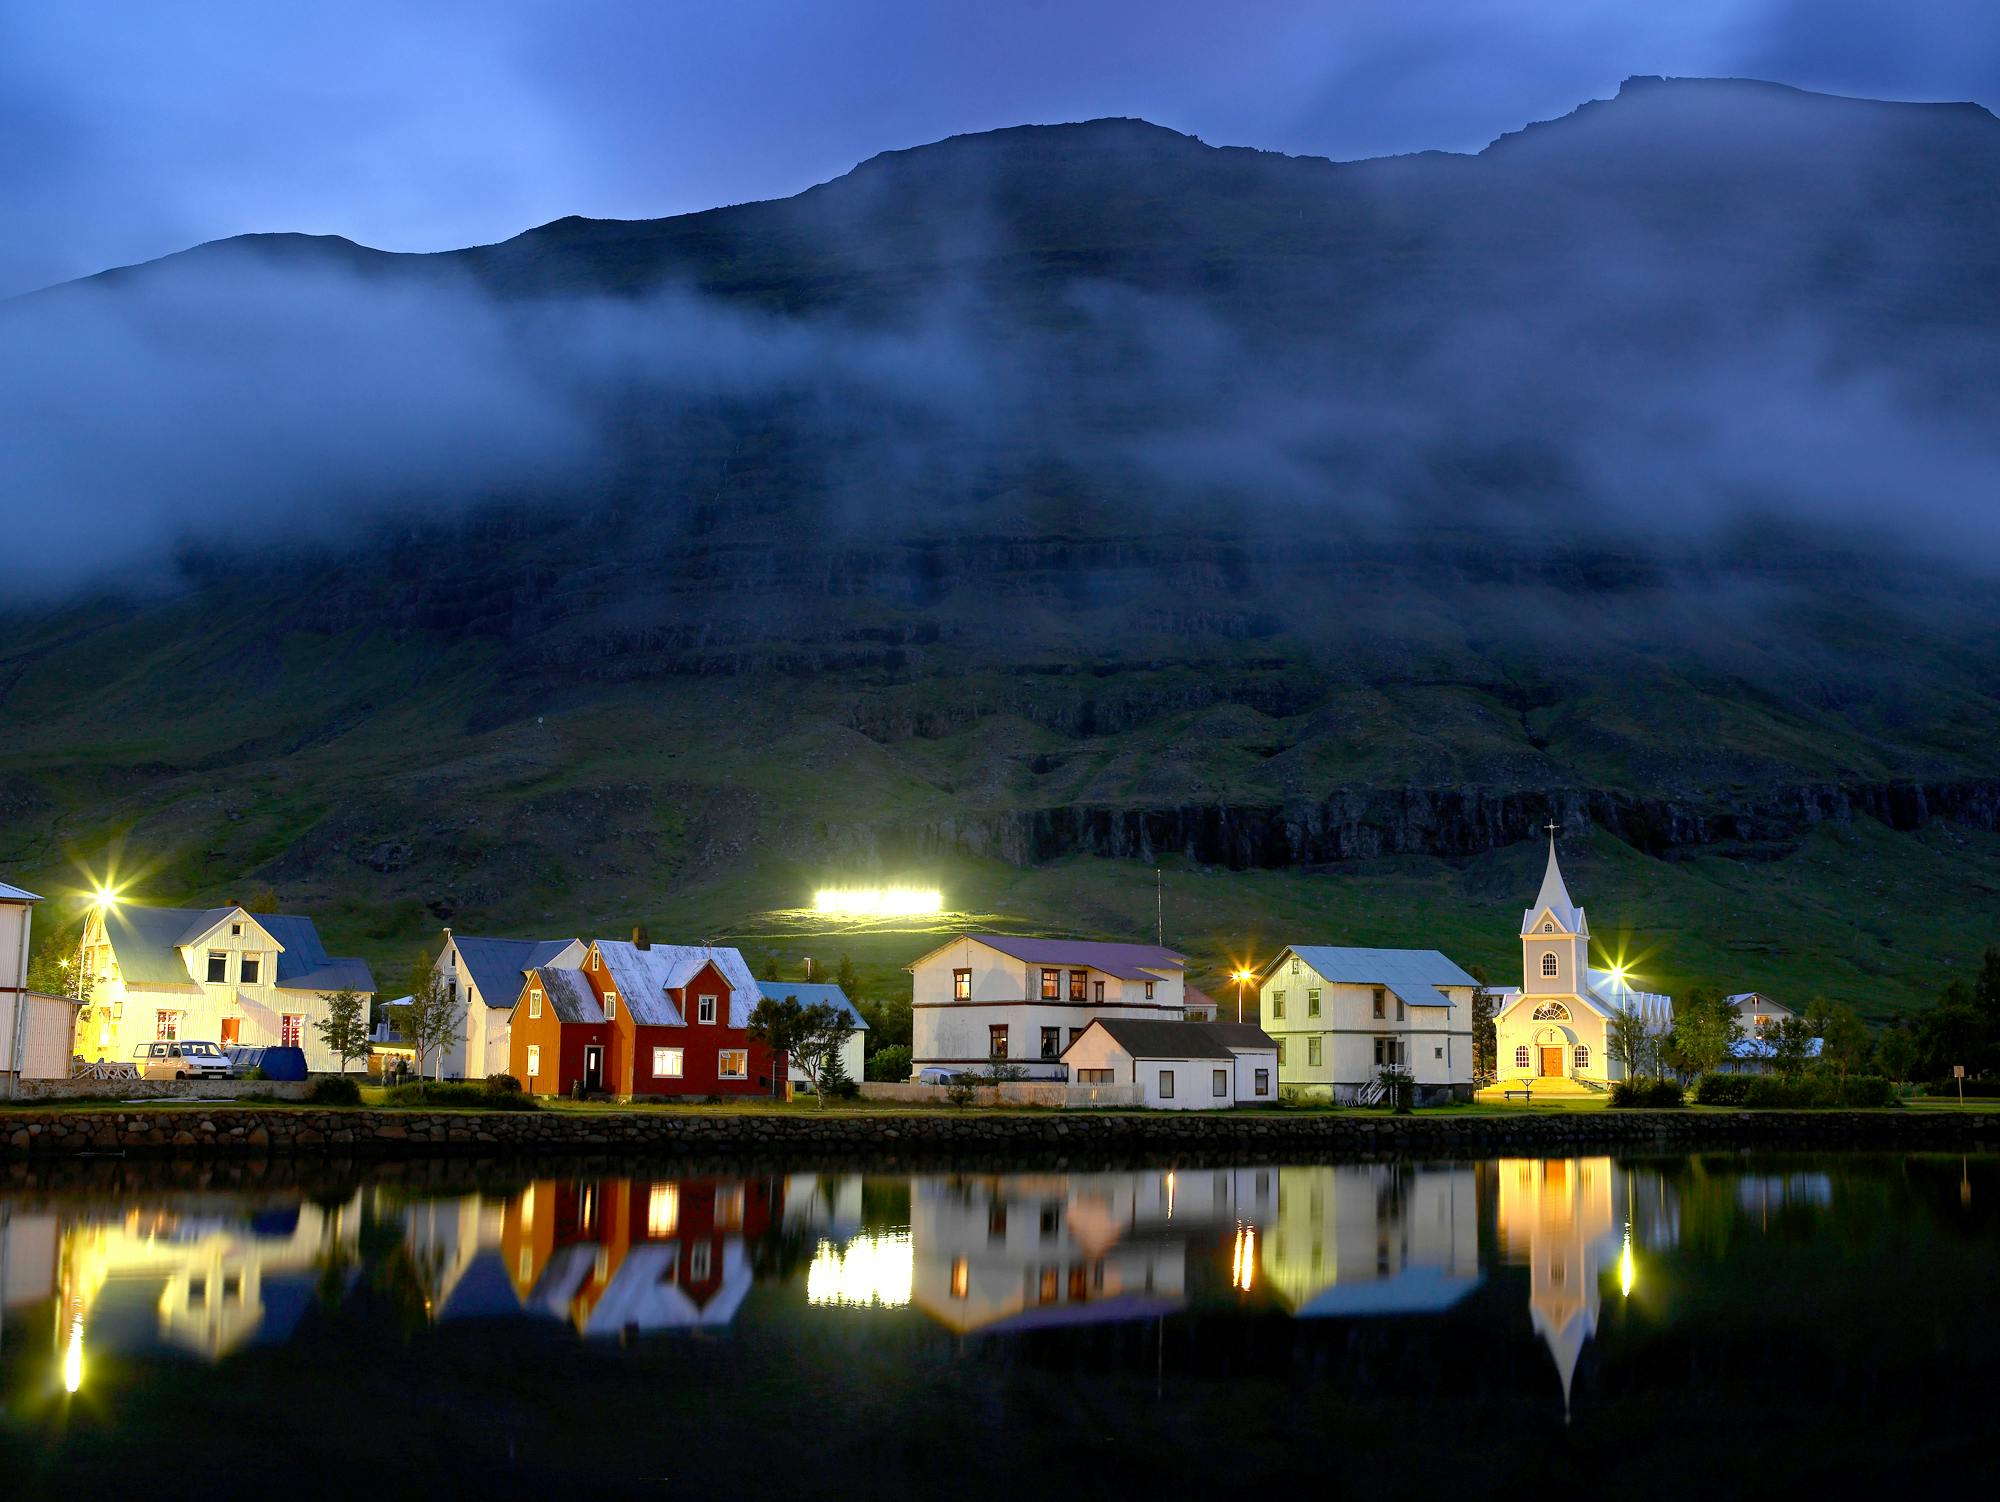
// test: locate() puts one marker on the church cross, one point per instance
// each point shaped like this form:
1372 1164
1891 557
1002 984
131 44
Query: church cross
1552 827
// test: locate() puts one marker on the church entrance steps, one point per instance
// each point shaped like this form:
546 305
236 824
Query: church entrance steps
1541 1087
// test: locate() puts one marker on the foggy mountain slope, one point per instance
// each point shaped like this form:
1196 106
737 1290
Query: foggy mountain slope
1060 489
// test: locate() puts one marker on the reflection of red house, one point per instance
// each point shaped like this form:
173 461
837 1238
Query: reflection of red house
557 1036
679 1016
646 1254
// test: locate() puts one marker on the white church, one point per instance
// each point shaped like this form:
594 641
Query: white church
1553 1033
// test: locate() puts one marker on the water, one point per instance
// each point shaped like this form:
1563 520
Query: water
1729 1323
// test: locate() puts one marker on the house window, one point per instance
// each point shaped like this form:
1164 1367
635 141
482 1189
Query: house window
1548 928
1312 1051
1281 1052
1312 1001
1582 1056
663 1210
1097 990
1278 1005
235 930
596 960
610 1006
1149 990
1096 1076
1437 1053
291 1030
218 966
1077 980
1381 1002
996 1041
666 1063
1221 1083
732 1063
166 1025
1399 1009
961 985
1295 964
1075 1033
1051 1042
534 1002
961 1277
1521 1057
1388 1053
705 1008
1166 1084
1263 1082
1549 963
249 968
1052 985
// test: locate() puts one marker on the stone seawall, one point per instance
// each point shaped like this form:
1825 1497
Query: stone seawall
200 1132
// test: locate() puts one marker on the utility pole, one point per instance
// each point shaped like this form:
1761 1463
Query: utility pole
1159 907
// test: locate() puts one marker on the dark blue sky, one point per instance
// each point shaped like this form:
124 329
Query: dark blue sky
128 130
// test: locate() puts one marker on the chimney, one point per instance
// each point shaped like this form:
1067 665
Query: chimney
640 938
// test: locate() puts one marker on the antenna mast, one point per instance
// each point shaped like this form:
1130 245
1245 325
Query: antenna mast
1159 907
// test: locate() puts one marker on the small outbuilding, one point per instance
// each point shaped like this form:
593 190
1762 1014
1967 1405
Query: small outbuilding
1178 1066
37 1032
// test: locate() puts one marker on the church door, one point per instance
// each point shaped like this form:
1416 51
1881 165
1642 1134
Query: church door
1552 1062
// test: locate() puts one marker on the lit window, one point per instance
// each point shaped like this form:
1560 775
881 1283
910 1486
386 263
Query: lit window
996 1041
704 1008
1077 980
1221 1083
663 1210
535 1002
1582 1056
1312 1001
610 1006
218 966
733 1063
961 985
1263 1082
1521 1057
729 1200
167 1025
1166 1084
1549 963
291 1030
534 1060
666 1063
961 1277
1052 985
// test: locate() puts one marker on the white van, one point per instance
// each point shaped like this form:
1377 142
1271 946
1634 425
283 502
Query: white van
181 1061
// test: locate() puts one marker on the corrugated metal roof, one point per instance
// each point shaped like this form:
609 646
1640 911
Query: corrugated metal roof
1126 961
496 966
147 943
570 994
645 976
1413 974
811 993
1144 1038
16 894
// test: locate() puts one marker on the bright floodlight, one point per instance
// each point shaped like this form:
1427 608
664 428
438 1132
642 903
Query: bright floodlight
878 902
104 896
1242 977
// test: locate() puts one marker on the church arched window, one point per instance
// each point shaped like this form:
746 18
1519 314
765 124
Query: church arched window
1521 1057
1549 963
1582 1057
1548 928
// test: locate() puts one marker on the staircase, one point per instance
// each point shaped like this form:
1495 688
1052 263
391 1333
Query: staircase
1547 1087
1371 1094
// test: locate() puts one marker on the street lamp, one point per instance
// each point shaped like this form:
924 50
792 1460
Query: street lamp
1242 979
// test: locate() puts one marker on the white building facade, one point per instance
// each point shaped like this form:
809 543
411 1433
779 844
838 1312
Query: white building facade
984 999
1340 1016
36 1032
485 976
853 1049
1178 1066
219 975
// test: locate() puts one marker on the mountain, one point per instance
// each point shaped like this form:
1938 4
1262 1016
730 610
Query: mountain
1035 508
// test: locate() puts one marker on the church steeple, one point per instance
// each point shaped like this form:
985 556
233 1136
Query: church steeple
1554 898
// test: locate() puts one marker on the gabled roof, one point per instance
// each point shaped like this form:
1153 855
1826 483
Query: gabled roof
811 993
645 976
147 943
569 994
1414 975
1145 1038
15 894
497 965
1125 961
1554 899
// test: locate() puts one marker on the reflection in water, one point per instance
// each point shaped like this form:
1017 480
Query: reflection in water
1511 1265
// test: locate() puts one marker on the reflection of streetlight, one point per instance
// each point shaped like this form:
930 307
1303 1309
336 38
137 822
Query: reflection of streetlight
1243 1259
1625 1269
72 1368
1242 979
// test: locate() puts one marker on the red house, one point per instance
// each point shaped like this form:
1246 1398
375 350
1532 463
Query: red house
678 1017
557 1033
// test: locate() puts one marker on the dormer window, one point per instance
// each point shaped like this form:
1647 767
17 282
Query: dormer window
1548 928
705 1008
249 968
235 930
1549 963
218 966
535 1001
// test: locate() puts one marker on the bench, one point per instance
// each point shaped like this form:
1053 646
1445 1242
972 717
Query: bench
1526 1092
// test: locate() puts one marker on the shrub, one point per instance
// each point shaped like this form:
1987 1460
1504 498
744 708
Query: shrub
1984 1089
1723 1089
962 1089
459 1093
1817 1092
502 1084
334 1090
844 1088
1646 1092
891 1064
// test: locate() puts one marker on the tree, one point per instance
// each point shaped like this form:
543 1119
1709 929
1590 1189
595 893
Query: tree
848 978
770 968
891 1064
1896 1053
890 1023
1845 1046
1790 1041
433 1018
263 900
1485 1042
1628 1039
1706 1030
344 1028
806 1036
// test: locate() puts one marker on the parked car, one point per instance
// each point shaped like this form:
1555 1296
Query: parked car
181 1059
243 1059
933 1075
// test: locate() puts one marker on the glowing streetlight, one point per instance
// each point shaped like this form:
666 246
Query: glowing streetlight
1242 979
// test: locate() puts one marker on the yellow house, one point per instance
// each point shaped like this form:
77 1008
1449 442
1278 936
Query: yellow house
1556 1027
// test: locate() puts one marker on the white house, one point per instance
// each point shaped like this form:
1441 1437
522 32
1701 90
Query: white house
220 974
1178 1066
986 998
1340 1016
1555 1028
853 1051
37 1033
1758 1015
485 975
